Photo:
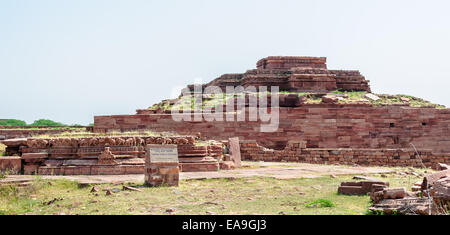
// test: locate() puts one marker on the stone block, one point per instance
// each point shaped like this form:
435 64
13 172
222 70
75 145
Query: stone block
12 165
394 193
235 151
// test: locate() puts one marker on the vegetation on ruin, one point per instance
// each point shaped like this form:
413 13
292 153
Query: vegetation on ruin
345 97
85 134
2 149
253 195
385 100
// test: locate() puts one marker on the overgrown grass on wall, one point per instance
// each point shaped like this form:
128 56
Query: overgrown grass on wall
2 149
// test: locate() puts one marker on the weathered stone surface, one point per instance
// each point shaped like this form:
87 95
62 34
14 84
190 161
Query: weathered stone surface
430 179
405 206
358 126
372 97
235 151
13 165
29 156
227 165
252 151
442 166
159 173
394 193
107 155
107 158
361 187
328 99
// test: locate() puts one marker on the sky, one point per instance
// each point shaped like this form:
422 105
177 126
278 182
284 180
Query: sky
71 60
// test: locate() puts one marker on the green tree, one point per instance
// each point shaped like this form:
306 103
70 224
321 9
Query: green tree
12 122
46 122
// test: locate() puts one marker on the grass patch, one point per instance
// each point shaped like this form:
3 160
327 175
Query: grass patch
2 150
85 134
320 203
255 195
346 97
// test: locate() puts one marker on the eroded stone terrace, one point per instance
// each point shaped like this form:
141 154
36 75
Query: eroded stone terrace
324 109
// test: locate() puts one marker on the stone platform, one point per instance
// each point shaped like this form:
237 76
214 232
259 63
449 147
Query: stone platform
105 155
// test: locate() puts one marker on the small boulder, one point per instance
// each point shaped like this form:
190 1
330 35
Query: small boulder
328 99
372 97
94 189
404 99
227 165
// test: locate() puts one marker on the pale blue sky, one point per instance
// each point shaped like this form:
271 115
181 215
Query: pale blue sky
71 60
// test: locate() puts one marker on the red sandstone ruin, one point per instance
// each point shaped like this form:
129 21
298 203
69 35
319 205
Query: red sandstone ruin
325 131
293 73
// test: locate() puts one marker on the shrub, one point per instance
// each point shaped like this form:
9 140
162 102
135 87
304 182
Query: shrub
320 203
12 122
46 122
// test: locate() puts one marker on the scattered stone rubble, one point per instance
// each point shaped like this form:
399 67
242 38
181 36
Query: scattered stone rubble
431 196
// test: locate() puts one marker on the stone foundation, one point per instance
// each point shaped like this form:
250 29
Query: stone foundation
106 155
319 125
297 152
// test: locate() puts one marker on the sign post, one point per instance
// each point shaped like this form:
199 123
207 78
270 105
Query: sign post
161 165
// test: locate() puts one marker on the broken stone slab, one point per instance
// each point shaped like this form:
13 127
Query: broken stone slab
328 99
394 193
377 196
430 179
363 100
404 99
442 166
405 206
415 188
94 189
358 177
226 165
351 190
372 96
441 189
131 188
87 183
360 187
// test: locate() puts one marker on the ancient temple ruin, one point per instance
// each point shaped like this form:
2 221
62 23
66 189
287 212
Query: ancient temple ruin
325 116
296 74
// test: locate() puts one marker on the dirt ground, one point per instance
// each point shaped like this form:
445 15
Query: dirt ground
277 170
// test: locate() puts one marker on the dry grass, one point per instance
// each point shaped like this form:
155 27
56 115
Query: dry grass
2 149
256 195
347 97
85 134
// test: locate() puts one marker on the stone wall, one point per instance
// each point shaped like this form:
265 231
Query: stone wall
11 132
107 155
293 73
297 152
319 125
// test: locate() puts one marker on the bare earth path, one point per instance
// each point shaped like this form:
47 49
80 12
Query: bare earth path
276 170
